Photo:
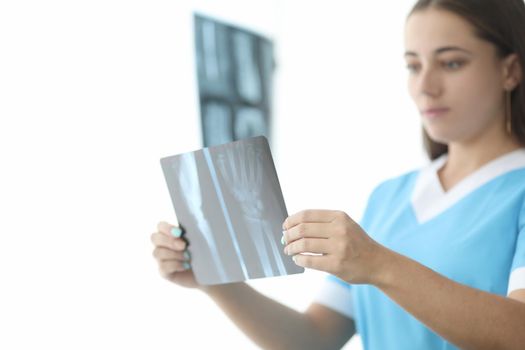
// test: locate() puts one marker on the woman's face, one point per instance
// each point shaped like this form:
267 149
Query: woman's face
455 78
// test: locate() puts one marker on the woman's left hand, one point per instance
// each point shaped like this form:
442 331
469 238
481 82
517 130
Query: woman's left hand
347 250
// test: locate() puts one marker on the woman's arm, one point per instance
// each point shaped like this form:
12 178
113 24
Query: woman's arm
467 317
272 325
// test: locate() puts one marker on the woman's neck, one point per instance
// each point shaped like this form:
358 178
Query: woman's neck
464 158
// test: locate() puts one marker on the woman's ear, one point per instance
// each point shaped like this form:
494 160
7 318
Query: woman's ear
513 71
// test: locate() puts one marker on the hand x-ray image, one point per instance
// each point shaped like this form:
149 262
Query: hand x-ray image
229 201
234 70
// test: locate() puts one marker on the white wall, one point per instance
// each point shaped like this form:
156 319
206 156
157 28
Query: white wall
93 94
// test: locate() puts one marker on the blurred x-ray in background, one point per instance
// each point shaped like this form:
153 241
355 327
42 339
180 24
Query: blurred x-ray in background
234 73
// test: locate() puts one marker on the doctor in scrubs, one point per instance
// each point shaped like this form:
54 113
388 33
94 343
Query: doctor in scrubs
438 259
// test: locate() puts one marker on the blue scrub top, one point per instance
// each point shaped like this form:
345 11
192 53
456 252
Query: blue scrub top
473 234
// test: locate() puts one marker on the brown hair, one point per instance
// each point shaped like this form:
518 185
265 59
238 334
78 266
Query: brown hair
502 23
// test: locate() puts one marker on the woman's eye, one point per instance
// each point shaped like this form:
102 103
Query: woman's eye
453 65
412 68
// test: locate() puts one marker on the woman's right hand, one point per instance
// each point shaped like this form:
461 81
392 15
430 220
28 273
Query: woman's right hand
172 256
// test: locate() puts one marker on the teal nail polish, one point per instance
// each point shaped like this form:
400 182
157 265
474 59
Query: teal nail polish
176 232
186 266
283 242
186 255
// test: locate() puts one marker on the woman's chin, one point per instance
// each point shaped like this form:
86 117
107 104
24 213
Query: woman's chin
439 136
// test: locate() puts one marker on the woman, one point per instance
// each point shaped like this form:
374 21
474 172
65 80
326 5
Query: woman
438 261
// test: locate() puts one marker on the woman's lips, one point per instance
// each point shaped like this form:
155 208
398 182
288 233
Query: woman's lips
434 112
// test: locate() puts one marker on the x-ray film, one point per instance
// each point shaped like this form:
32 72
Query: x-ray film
228 200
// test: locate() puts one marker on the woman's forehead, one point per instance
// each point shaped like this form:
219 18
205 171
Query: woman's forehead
429 30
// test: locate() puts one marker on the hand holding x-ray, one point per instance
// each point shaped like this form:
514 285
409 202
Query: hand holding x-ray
229 201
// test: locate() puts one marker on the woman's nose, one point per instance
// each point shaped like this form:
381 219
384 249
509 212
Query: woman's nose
429 83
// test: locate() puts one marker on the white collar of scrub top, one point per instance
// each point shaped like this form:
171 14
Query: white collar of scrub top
429 199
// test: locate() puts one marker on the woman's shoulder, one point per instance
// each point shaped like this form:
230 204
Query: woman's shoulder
397 186
402 184
399 181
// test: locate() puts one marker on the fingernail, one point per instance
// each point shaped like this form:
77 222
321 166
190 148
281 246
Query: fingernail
176 232
294 258
283 241
186 266
186 255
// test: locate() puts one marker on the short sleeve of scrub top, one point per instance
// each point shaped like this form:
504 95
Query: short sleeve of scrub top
517 275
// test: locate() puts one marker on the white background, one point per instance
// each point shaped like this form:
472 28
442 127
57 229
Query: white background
94 93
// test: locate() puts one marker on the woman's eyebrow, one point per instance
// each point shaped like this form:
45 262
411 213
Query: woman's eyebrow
441 50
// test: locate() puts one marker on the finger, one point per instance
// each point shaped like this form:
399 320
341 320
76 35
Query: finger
316 262
307 230
168 267
169 229
161 240
311 215
168 254
308 245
